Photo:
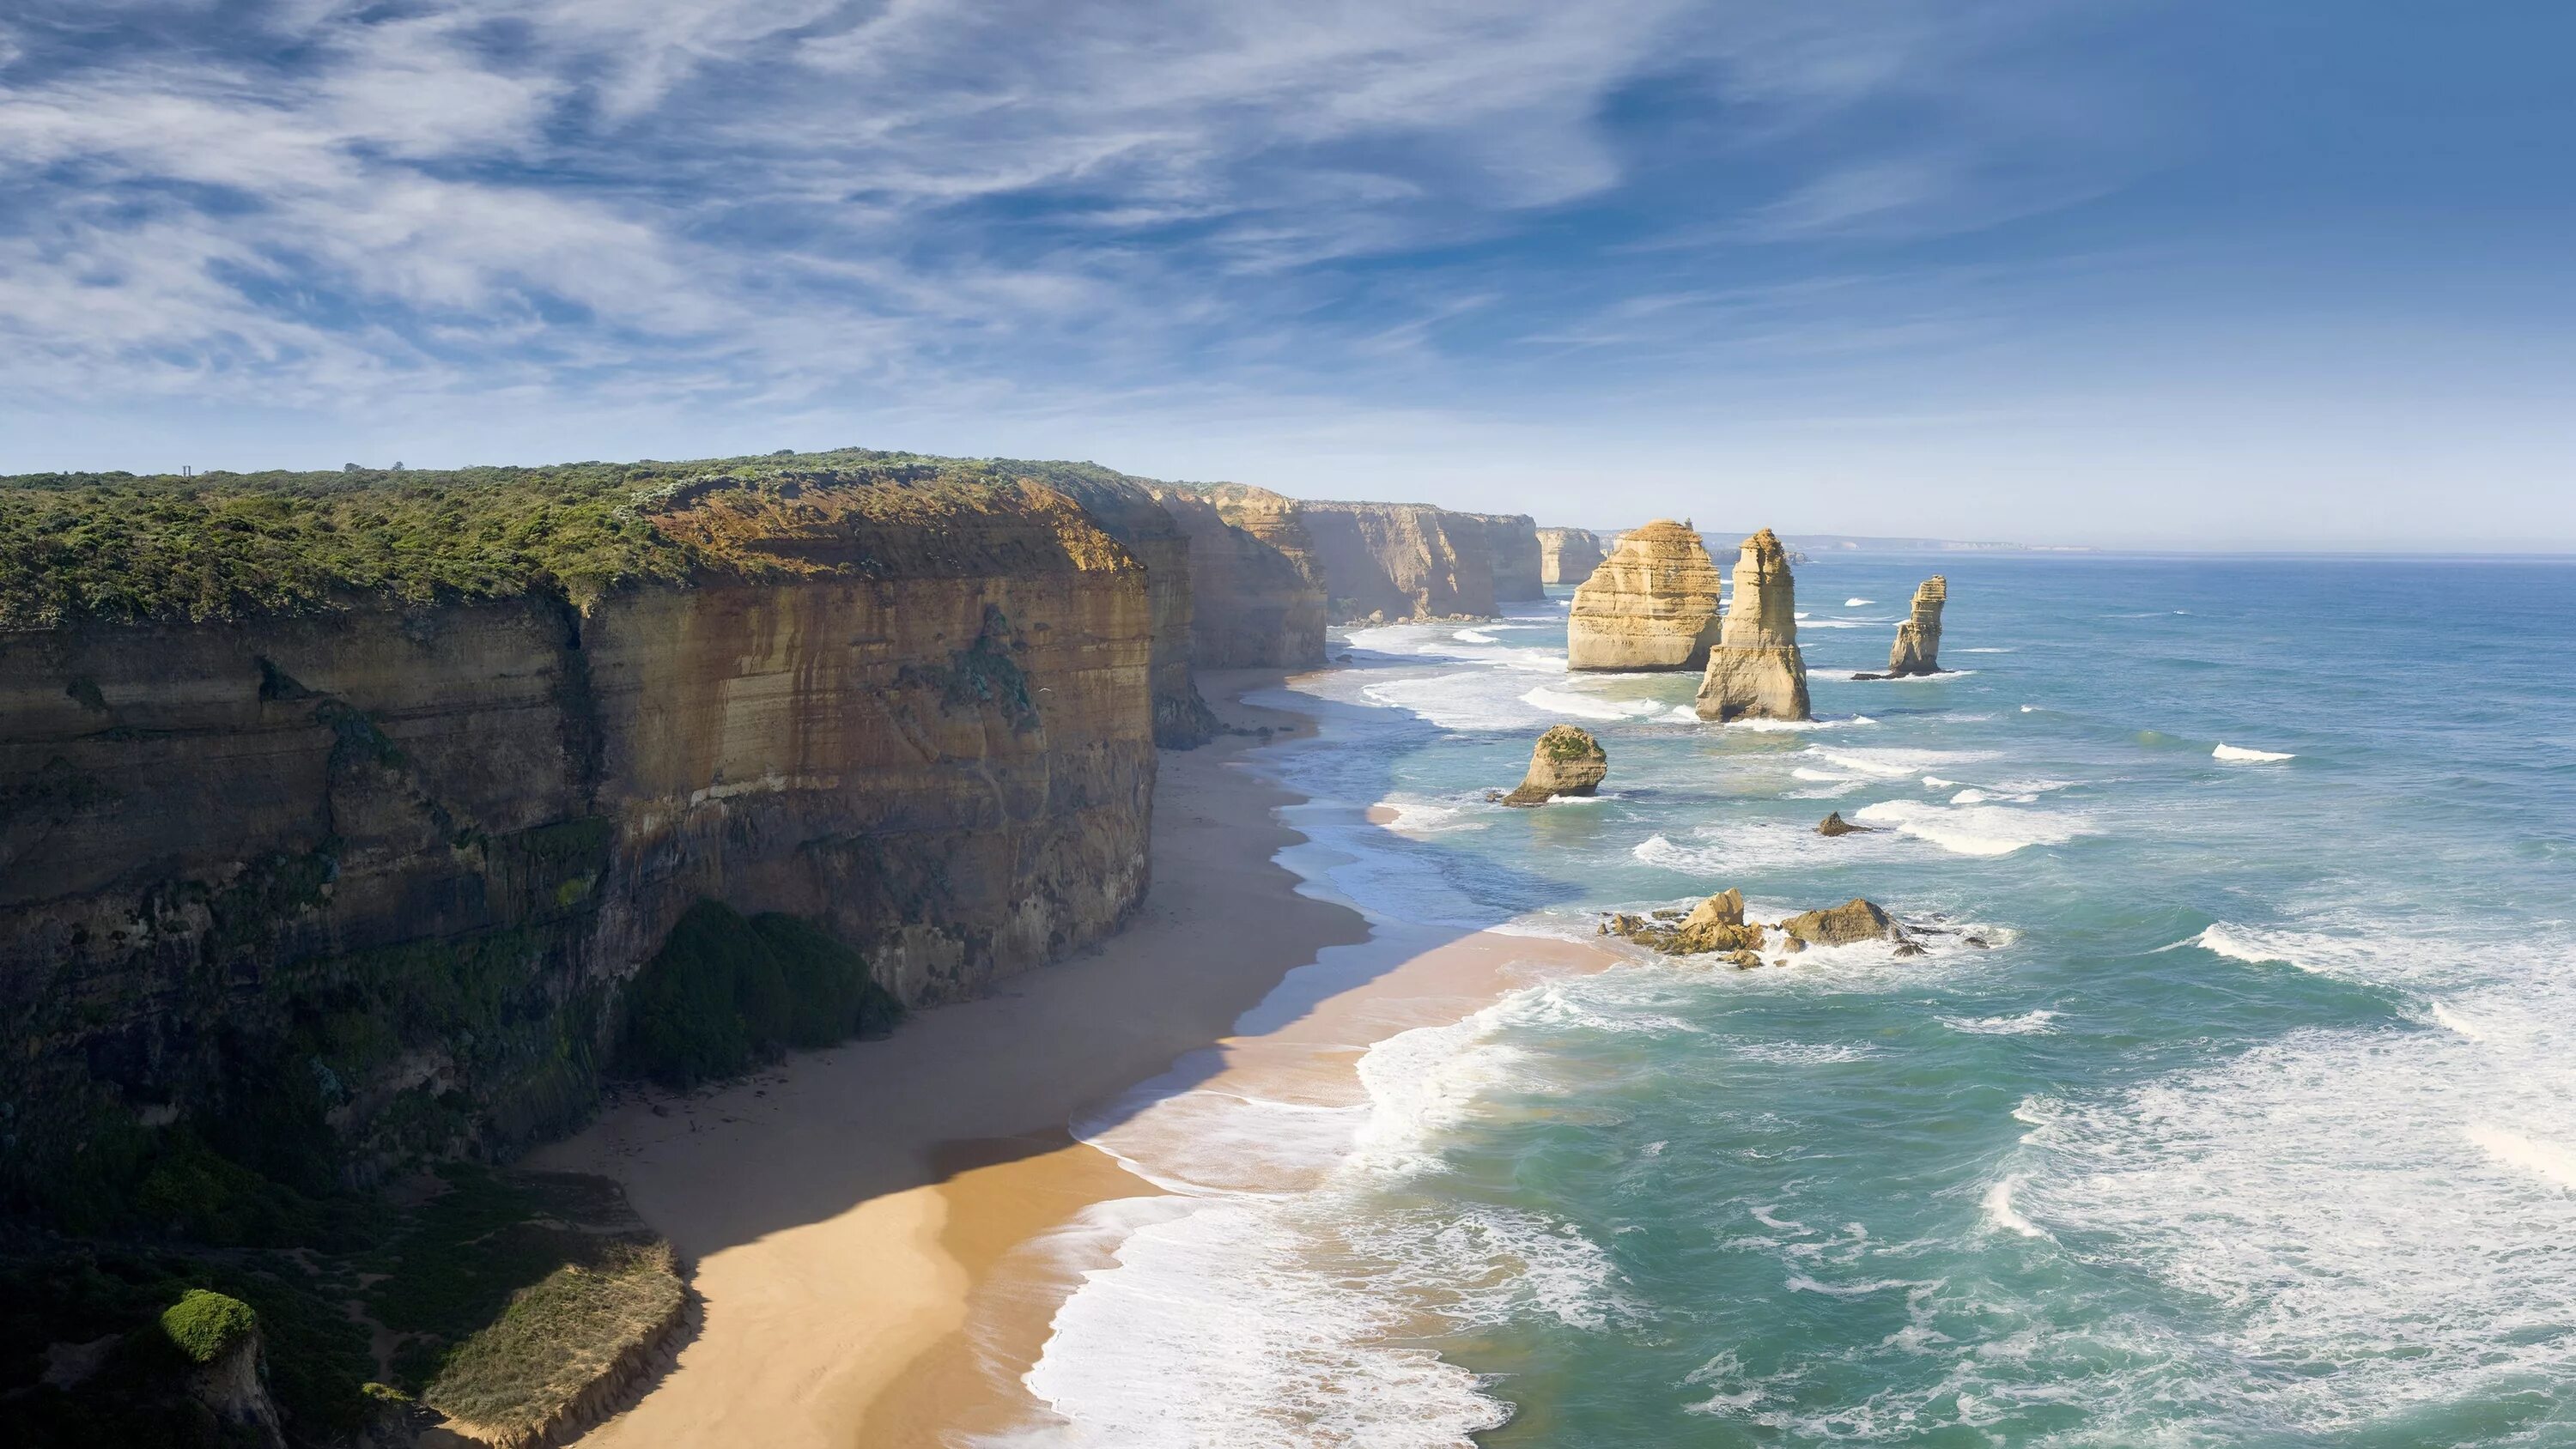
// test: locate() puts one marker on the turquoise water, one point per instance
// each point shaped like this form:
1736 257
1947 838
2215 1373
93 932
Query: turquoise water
2253 1123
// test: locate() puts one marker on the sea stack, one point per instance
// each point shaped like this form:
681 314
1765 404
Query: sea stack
1566 761
1756 672
1651 605
1567 555
1918 639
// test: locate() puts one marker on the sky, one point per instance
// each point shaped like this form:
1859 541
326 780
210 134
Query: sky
2232 274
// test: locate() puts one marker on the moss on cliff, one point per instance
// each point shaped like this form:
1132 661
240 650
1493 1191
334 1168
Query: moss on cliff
725 994
121 548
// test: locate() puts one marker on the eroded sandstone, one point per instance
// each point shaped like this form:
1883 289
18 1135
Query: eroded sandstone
1567 555
1755 671
1565 761
1651 605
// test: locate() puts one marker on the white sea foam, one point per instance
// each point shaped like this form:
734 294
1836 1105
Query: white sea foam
2029 1023
1858 603
1473 636
1986 649
1804 1054
1591 706
1756 845
1935 782
1797 726
1974 829
1999 1209
2549 1160
1889 764
2238 755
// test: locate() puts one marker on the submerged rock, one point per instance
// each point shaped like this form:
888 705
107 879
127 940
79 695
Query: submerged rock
1650 605
1756 671
1565 761
1835 824
1918 640
1852 921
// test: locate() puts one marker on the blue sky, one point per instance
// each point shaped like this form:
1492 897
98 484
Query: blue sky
2212 274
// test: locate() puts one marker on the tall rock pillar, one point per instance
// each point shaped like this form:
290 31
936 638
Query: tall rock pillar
1756 672
1918 640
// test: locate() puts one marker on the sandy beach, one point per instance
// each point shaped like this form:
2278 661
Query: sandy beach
848 1212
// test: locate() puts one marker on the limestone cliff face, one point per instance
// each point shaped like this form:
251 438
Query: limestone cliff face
1651 605
1567 555
1402 560
1756 671
1132 511
1512 539
1258 592
1918 640
380 871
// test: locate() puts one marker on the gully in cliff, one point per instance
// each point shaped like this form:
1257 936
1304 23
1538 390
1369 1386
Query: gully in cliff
1756 672
1917 650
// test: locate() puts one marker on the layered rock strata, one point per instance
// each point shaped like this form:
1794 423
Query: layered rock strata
1131 511
1401 561
378 870
1565 761
1257 592
1567 555
1519 560
1651 605
1755 671
1918 640
1715 926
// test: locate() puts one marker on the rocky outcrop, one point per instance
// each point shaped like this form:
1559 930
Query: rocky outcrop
1651 605
1512 538
1918 640
1835 824
379 871
1130 510
1401 561
1715 926
1853 921
1565 761
1257 594
1755 671
1567 555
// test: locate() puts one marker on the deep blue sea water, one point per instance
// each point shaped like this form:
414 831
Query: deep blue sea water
2254 1123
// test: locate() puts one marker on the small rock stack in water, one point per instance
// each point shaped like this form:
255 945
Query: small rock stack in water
1650 605
1756 672
1566 761
1918 640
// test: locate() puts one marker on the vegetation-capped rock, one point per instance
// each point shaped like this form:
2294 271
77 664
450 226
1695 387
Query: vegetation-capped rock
1565 761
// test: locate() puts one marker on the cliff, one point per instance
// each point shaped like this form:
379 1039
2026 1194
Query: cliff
1567 555
1756 671
1651 605
1258 590
1402 560
1917 649
1132 511
1512 540
322 847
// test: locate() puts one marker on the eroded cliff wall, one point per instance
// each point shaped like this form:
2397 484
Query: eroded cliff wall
1258 592
1402 560
1567 555
361 882
1519 568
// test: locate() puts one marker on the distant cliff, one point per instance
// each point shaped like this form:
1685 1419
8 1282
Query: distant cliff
1568 555
1258 586
334 814
1402 560
1519 567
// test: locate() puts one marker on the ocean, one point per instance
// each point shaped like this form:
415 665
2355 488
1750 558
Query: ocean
2251 1122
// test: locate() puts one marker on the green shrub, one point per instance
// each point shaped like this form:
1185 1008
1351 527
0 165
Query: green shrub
725 994
205 1325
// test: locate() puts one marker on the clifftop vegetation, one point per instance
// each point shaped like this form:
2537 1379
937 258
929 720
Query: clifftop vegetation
120 548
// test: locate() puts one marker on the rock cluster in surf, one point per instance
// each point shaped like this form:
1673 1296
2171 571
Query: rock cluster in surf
1650 605
1565 761
1835 824
1755 671
1715 926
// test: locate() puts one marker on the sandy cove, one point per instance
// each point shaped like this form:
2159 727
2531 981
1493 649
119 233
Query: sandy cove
850 1210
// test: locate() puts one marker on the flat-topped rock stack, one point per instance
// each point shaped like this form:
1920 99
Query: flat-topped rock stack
1755 671
1918 640
1651 605
1567 555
